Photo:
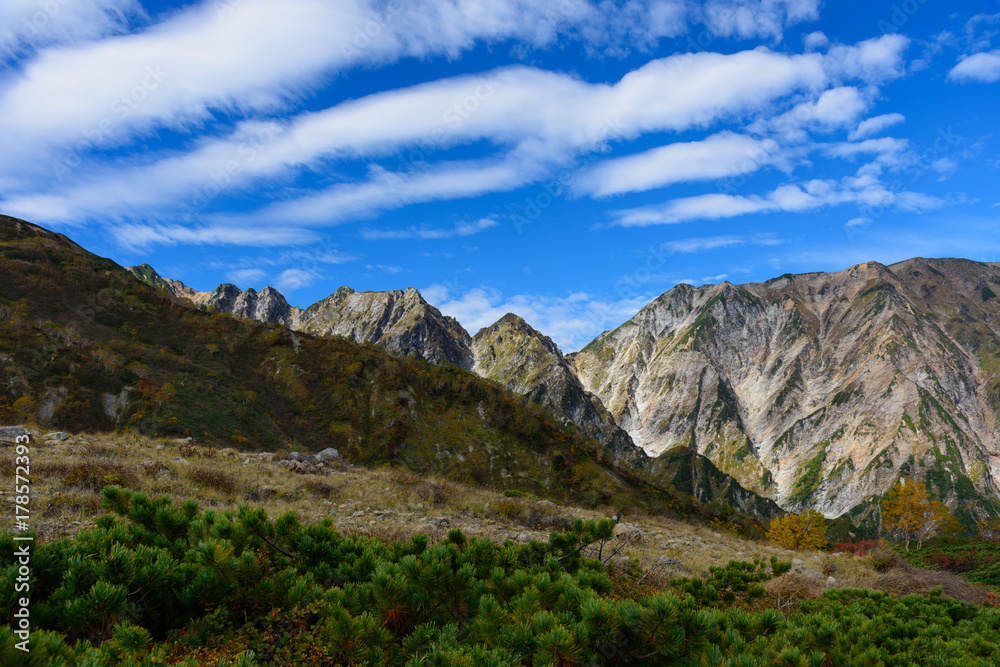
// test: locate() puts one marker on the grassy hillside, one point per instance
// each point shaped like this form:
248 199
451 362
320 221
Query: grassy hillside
87 347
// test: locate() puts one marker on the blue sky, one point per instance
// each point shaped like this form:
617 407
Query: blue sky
567 161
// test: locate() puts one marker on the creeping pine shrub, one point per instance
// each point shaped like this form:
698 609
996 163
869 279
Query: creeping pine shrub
736 580
157 583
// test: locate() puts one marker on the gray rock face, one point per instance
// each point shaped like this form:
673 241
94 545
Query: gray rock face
329 455
10 435
145 273
400 321
267 306
818 390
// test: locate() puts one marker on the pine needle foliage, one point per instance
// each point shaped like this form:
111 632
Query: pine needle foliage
156 583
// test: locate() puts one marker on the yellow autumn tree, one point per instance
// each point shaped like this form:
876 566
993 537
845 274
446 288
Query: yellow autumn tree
909 514
799 531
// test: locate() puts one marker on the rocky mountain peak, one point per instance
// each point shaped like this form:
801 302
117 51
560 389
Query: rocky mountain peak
514 325
224 297
342 293
399 320
818 389
516 356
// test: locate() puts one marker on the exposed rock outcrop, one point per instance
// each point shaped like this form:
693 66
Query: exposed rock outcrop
819 390
401 321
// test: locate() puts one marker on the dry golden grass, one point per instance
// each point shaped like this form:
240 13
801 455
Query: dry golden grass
394 503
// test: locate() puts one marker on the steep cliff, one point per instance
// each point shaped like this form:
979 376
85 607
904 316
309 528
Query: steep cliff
822 389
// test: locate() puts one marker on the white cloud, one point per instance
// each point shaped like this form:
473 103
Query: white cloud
392 190
876 124
815 40
331 256
721 155
386 269
980 31
977 68
290 280
889 152
250 55
134 236
833 109
836 107
867 192
247 276
945 167
715 242
701 207
240 60
875 60
256 55
538 118
26 25
424 233
757 18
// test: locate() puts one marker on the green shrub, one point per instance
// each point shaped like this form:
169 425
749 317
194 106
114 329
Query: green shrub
155 583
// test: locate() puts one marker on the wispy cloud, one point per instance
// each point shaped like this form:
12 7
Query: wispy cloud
977 68
865 191
140 237
715 242
386 269
536 119
721 155
29 25
430 233
247 276
875 124
290 280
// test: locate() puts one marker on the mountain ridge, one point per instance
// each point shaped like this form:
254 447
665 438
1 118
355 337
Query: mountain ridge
745 374
788 384
86 347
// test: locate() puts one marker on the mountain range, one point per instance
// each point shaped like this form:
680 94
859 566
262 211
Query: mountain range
86 346
817 390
